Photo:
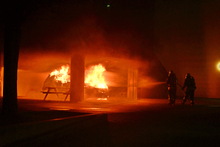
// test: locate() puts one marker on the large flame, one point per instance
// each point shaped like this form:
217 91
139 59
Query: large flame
62 74
95 77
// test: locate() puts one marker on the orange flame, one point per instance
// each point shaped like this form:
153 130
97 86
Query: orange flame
62 74
95 78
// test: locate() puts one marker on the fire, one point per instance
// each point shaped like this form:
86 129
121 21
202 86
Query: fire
62 74
95 78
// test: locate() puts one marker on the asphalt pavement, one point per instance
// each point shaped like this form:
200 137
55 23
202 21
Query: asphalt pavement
145 122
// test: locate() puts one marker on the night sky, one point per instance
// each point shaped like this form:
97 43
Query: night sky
183 35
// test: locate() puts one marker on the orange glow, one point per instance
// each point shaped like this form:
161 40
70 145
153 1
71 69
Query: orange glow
218 66
62 74
102 99
95 78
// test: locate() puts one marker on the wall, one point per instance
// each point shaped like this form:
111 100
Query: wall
186 34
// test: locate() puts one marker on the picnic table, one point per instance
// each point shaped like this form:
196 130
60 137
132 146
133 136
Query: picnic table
57 91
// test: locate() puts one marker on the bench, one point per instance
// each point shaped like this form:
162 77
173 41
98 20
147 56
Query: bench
54 90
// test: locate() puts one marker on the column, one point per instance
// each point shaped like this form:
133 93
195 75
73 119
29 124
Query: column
77 78
132 84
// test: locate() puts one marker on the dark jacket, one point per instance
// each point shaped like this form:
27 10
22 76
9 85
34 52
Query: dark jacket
189 83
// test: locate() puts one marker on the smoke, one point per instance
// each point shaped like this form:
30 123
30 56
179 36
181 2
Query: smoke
52 34
84 27
40 61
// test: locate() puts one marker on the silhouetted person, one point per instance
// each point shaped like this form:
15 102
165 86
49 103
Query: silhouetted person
189 86
171 85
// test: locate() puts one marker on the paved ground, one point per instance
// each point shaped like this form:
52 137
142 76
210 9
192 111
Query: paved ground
146 122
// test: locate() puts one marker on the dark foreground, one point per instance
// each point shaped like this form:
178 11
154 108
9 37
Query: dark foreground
144 123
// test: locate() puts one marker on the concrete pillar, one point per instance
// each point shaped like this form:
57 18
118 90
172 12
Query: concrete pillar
77 78
132 84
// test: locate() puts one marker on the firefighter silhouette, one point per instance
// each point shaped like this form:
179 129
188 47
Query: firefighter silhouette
189 87
171 85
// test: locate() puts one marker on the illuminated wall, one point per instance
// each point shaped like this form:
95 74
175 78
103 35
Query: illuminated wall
30 84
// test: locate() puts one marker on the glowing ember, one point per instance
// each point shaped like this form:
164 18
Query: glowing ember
62 74
95 78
